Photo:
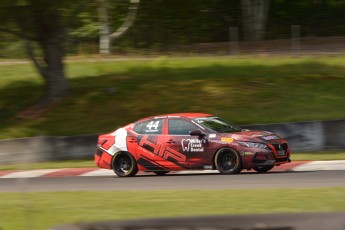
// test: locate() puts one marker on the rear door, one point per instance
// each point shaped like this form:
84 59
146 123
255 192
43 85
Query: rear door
152 150
149 139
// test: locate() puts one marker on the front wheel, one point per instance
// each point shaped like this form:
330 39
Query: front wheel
263 169
124 165
228 161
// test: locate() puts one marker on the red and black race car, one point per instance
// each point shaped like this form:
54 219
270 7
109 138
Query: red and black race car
188 141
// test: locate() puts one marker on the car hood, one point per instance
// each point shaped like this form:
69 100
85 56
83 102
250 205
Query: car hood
255 136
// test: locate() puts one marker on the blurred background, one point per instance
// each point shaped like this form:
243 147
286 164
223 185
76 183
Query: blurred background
192 26
70 70
252 62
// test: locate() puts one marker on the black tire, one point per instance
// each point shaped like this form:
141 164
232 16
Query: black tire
161 173
263 169
124 164
228 161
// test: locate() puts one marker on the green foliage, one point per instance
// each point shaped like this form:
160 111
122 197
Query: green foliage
164 24
183 22
88 28
10 46
106 95
316 18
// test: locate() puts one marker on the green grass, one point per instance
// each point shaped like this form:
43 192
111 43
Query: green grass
45 209
107 95
319 156
314 156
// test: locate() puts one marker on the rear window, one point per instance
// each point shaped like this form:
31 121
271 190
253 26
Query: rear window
149 127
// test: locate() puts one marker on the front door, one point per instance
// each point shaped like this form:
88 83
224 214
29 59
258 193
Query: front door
195 149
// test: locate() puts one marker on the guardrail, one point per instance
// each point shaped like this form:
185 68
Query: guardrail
283 221
47 148
302 136
309 135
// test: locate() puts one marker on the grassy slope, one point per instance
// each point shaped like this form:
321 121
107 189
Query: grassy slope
106 95
42 210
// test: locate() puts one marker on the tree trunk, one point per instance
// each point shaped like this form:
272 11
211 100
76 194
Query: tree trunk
39 21
104 34
57 85
51 68
254 17
50 37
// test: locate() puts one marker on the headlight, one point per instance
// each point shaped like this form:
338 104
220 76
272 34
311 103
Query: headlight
253 145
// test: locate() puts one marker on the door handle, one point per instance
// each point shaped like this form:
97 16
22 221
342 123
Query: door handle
132 140
171 141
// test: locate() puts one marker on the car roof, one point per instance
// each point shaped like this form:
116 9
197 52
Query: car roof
186 115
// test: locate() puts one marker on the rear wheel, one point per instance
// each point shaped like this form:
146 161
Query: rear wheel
161 173
124 165
263 169
228 161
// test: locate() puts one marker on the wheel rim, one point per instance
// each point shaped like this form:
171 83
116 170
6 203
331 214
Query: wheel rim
228 161
123 164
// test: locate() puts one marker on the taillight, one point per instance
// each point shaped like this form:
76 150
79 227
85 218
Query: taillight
101 142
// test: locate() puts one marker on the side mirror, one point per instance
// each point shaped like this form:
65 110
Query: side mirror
197 132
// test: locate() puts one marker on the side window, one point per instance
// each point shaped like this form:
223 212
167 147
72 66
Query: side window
152 126
138 128
180 127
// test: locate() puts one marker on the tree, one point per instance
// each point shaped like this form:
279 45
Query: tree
40 21
254 17
105 36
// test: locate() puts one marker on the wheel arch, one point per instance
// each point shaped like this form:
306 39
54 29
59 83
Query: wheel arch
223 147
118 152
125 166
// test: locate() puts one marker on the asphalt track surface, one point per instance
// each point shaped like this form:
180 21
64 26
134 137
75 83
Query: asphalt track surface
245 180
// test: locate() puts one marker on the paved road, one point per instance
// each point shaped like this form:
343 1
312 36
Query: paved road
189 181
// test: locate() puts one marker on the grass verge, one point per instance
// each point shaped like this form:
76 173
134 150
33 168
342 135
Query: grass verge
319 156
106 95
43 209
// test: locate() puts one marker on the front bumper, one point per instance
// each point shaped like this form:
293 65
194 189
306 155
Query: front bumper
271 162
276 154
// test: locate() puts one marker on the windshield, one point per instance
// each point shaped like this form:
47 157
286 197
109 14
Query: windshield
217 124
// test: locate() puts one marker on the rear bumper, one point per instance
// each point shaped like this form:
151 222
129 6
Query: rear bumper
102 159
